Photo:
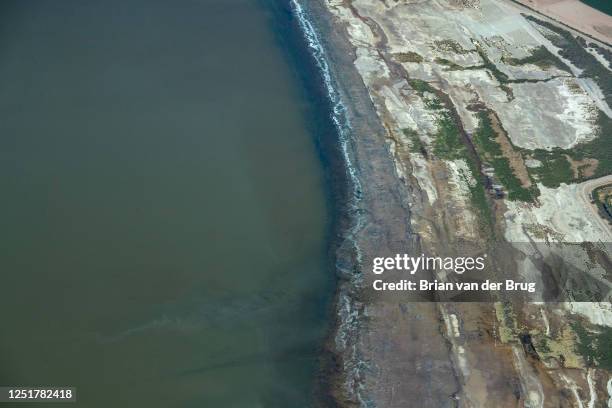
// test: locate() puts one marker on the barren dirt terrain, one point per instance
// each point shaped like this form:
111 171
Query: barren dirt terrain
495 126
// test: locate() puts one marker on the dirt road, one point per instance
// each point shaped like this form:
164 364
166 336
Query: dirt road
584 192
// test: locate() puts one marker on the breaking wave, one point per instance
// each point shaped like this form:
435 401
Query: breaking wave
338 115
348 311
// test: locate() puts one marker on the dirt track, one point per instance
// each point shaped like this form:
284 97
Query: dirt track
585 192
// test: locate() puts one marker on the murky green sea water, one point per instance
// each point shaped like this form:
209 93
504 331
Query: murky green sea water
163 206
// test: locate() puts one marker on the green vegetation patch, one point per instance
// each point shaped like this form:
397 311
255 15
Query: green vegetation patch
485 136
449 145
478 197
542 346
604 52
434 104
421 86
540 57
415 140
574 49
598 148
502 78
507 321
595 347
450 64
556 169
408 56
452 46
489 148
516 191
490 65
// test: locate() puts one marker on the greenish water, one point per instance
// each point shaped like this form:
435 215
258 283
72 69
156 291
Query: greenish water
163 206
601 5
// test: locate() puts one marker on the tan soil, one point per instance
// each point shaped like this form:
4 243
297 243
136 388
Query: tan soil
493 381
584 167
515 158
577 15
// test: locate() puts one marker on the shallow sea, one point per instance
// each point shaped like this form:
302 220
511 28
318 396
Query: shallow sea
165 212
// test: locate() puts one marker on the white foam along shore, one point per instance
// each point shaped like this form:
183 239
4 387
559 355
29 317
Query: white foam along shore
346 310
338 116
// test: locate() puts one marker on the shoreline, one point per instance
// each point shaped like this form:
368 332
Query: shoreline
334 142
374 219
330 128
343 251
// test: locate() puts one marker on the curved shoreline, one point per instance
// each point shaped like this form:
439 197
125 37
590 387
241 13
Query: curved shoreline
329 122
375 219
344 251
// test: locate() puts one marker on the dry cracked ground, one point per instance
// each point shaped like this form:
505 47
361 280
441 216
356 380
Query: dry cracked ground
499 125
